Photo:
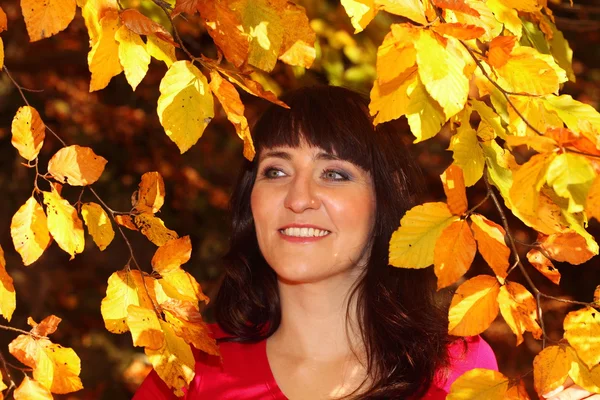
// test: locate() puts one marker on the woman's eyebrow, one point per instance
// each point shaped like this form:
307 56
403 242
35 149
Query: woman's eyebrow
327 156
277 154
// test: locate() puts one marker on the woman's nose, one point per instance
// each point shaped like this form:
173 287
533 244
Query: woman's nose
302 195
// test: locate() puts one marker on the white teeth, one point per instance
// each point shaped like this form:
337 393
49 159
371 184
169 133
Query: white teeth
304 232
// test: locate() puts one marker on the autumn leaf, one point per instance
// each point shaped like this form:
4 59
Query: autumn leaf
361 12
64 224
500 49
412 244
44 19
145 327
93 11
518 308
397 53
298 46
390 100
467 153
457 5
572 112
523 5
1 54
534 111
581 374
474 306
524 192
479 384
46 327
491 244
453 253
98 223
132 55
76 165
571 176
568 246
8 300
138 23
541 144
411 9
185 106
28 132
489 116
3 21
592 203
178 284
507 16
543 265
126 221
550 369
29 389
103 58
172 255
582 327
151 193
454 187
517 391
173 361
478 13
161 50
459 31
234 109
29 231
188 324
154 229
125 287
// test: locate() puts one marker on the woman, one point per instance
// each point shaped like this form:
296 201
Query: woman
309 308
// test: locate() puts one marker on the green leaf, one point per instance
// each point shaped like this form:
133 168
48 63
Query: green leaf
571 176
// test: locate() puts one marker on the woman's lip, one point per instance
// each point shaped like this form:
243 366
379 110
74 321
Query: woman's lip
301 239
303 226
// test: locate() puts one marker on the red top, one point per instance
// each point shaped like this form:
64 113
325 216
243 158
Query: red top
245 373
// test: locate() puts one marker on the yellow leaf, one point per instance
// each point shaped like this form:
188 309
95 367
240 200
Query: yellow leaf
479 384
413 243
172 255
592 203
425 116
397 52
180 285
174 361
533 110
568 246
467 153
582 328
390 100
491 243
459 31
544 265
133 55
151 193
125 288
76 165
1 54
581 374
453 253
361 12
454 187
251 86
8 300
29 231
188 324
527 182
488 115
185 106
550 369
485 19
154 229
145 327
234 109
262 21
571 176
525 62
298 46
98 223
3 23
103 58
64 224
518 308
411 9
161 50
441 71
506 15
28 132
138 23
572 112
561 51
93 11
32 390
46 18
541 144
523 5
474 306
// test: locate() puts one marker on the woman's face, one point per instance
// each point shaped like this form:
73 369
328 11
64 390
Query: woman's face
313 213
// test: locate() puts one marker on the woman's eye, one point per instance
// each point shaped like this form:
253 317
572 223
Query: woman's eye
333 175
272 173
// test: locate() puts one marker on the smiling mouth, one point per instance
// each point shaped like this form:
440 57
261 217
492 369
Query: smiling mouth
304 232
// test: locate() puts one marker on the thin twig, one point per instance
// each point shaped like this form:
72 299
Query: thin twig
7 373
10 328
19 88
487 196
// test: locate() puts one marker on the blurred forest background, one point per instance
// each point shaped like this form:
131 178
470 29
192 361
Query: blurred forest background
123 127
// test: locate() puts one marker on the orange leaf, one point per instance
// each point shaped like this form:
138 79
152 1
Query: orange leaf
298 46
527 181
582 330
517 392
151 193
550 369
76 165
454 187
500 49
518 308
172 255
46 18
544 265
474 306
491 244
459 30
32 390
3 20
142 25
568 247
188 324
456 5
47 327
592 204
126 221
454 252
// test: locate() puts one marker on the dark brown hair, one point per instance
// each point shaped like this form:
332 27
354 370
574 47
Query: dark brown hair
404 331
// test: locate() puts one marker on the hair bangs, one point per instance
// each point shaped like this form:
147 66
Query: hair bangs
324 117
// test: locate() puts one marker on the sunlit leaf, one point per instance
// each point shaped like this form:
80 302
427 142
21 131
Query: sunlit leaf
140 24
582 328
523 5
98 223
491 244
550 369
161 50
561 51
453 253
32 390
151 193
474 306
361 12
506 15
541 144
581 374
29 231
467 153
518 308
185 106
126 221
145 327
571 176
188 324
46 327
64 224
592 203
479 384
500 50
454 187
172 255
543 265
76 165
478 14
531 109
459 31
8 301
489 116
154 229
397 52
28 132
411 9
103 58
133 55
412 244
46 18
568 246
93 11
527 182
3 20
390 100
572 112
298 46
